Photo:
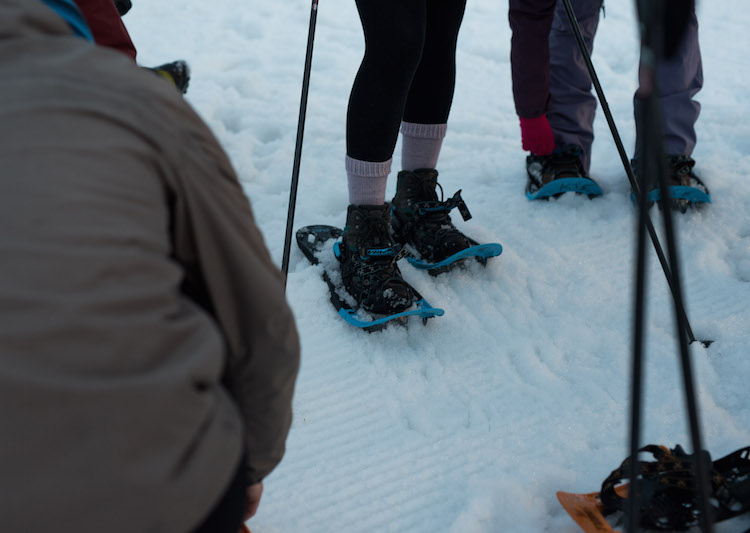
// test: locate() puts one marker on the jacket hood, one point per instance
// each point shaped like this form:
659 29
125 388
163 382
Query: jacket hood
28 18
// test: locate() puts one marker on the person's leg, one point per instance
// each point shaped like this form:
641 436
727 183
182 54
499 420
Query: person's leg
106 25
421 144
394 33
530 21
572 105
430 232
677 82
394 37
227 515
431 92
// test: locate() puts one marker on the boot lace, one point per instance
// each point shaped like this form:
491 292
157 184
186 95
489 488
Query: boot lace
378 255
564 163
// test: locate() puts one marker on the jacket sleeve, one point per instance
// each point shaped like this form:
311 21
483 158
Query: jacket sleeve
230 272
530 21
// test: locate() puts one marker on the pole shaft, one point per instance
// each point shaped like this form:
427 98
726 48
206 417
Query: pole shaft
298 145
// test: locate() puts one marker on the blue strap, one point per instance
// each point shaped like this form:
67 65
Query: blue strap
72 15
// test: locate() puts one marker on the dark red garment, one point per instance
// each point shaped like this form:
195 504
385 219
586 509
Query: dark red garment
530 21
106 25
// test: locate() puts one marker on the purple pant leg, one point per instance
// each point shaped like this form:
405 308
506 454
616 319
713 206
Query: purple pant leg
677 82
572 104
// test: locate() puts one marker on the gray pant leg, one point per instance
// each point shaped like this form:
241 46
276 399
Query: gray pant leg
677 82
572 104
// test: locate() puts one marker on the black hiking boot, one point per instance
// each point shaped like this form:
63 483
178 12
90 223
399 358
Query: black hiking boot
690 190
681 174
564 162
176 72
422 221
123 6
368 256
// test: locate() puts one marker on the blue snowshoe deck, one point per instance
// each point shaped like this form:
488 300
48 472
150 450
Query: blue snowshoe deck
315 243
480 252
560 186
693 195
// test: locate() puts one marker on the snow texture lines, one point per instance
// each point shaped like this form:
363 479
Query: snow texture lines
469 424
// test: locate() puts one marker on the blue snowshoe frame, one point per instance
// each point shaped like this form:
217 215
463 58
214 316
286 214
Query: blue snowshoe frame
579 185
480 252
682 192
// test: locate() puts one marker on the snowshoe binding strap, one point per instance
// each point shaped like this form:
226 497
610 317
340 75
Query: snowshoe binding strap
435 206
375 257
669 500
376 247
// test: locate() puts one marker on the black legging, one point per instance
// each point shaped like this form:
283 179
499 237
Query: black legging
408 72
227 514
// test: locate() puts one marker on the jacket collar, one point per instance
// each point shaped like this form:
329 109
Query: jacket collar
35 18
72 15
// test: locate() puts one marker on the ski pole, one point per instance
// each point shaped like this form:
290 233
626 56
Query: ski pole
636 375
653 166
652 21
298 146
626 163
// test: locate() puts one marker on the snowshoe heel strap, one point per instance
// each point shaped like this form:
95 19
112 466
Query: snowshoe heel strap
457 201
434 206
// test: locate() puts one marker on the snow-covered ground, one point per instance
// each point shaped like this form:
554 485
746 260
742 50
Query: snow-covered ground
472 422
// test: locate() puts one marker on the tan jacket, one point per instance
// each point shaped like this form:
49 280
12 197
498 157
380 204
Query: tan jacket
144 333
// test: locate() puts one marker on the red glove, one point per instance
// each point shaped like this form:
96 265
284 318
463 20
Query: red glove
537 136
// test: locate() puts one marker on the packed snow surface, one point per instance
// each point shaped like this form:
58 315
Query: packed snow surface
472 422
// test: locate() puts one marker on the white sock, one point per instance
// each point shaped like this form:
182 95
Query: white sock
420 144
367 180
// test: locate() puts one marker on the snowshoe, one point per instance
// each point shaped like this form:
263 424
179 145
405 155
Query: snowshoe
685 188
321 245
669 500
555 174
421 221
